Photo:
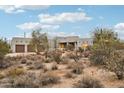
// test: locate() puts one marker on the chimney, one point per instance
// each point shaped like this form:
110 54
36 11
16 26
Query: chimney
24 35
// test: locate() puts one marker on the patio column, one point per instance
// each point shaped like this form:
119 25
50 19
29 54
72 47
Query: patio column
26 48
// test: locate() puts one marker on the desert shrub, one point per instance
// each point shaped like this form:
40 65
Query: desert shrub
15 72
4 49
28 80
115 63
122 86
86 53
72 65
29 62
30 67
54 67
65 60
20 66
38 65
81 50
88 82
23 61
49 79
77 70
5 64
74 56
45 69
104 41
56 56
48 60
99 56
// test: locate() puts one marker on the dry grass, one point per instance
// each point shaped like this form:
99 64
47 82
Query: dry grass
36 71
88 82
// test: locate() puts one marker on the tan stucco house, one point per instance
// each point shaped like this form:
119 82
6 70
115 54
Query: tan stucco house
21 44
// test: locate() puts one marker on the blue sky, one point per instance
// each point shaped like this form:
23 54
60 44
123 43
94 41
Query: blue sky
60 20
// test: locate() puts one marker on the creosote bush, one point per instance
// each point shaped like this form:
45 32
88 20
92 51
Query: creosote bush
54 67
38 65
115 63
99 56
77 70
56 56
49 79
27 80
88 82
74 55
23 61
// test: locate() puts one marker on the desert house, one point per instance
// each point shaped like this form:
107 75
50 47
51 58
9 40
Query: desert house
22 44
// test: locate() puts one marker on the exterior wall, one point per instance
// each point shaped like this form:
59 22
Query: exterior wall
26 41
67 40
19 41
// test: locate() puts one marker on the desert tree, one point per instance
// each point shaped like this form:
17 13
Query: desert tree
104 37
39 41
4 49
104 41
105 52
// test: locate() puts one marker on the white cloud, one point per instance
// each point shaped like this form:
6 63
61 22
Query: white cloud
63 17
119 28
22 8
36 25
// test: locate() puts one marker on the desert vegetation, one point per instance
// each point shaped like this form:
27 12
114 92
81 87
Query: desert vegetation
98 66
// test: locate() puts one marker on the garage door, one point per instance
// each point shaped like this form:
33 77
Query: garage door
20 48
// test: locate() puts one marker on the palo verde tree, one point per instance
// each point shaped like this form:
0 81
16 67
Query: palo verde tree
104 41
105 52
104 38
39 41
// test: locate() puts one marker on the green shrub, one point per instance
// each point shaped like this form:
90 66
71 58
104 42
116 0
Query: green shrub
88 82
99 56
115 63
56 56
